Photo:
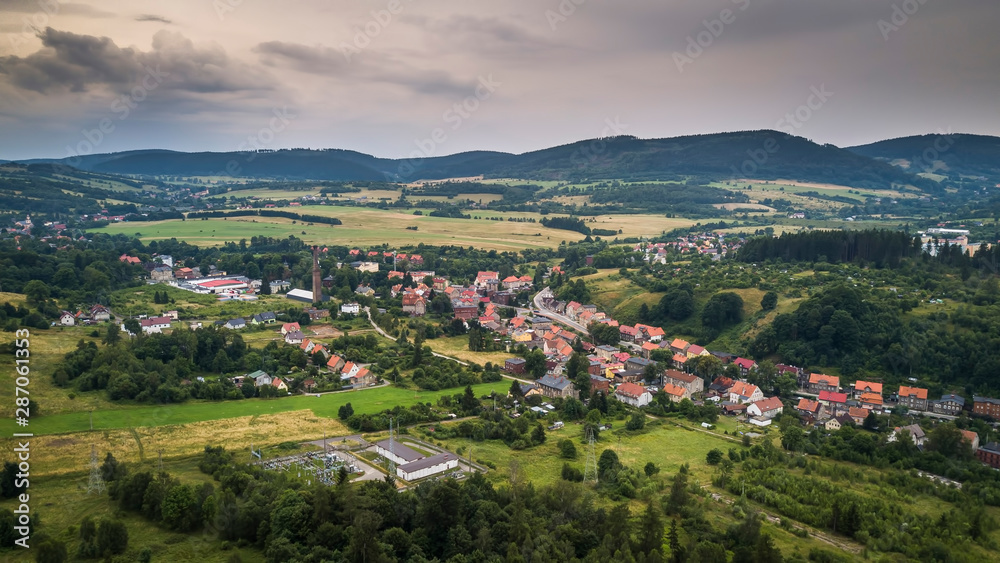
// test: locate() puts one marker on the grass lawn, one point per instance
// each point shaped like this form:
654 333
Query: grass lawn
363 401
664 444
458 347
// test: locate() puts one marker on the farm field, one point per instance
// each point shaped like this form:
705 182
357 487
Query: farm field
362 227
363 401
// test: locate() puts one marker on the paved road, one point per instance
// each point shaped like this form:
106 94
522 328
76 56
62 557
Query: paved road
561 319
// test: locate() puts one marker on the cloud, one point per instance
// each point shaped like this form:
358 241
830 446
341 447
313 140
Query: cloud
79 63
152 18
377 67
55 7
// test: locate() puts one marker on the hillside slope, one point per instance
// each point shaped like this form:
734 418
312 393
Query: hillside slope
952 155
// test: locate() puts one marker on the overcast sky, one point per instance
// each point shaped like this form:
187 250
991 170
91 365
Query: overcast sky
390 77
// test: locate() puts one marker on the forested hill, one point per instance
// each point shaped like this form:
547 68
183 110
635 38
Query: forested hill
766 155
950 155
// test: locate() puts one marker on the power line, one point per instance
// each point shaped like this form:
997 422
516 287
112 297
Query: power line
96 482
590 466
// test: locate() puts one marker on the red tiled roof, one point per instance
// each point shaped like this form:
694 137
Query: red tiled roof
874 387
833 397
819 378
630 390
912 392
769 404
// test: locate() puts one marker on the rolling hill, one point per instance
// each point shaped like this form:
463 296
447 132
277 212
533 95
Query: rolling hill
761 155
950 155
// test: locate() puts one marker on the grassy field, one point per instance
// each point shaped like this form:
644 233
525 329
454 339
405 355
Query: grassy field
363 401
362 227
458 347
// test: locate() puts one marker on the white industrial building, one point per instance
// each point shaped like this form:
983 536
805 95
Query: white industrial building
427 467
398 453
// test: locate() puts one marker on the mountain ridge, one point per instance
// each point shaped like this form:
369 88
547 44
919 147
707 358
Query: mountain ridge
739 155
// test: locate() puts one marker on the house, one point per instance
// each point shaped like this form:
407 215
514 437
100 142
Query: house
514 365
834 424
745 365
162 274
912 397
871 400
599 384
289 327
638 363
335 363
100 313
414 305
129 259
676 392
986 406
695 351
294 337
606 352
680 360
861 387
67 319
834 402
651 333
809 407
465 309
627 333
260 378
633 394
556 386
350 309
947 404
819 382
721 385
648 348
154 325
277 286
422 468
679 346
858 414
279 384
765 409
691 383
264 318
743 392
917 434
236 324
972 438
724 357
365 291
362 378
733 409
990 454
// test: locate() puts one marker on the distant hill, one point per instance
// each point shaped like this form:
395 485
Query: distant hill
966 155
762 155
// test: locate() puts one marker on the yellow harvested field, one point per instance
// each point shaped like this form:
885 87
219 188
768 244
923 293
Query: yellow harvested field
68 453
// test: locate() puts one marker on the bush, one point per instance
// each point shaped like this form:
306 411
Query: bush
567 449
714 457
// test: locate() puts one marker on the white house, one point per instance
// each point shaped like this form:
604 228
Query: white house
260 378
154 324
350 309
765 409
633 394
743 392
67 319
236 324
294 337
427 467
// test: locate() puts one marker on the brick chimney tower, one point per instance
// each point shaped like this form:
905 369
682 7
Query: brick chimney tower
317 280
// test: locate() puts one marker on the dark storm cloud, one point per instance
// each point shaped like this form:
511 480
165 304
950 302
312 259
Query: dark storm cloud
77 63
152 18
339 63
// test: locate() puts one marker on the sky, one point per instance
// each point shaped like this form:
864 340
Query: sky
404 78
